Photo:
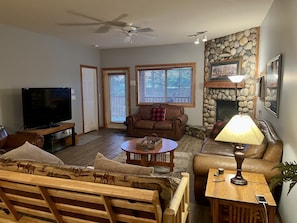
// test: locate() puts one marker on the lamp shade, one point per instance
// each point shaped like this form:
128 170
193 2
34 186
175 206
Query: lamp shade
241 129
236 78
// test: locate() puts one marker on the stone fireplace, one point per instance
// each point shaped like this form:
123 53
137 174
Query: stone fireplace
242 45
225 109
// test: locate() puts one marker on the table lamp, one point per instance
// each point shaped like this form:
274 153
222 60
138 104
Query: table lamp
240 130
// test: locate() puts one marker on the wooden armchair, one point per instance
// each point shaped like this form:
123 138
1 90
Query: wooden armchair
12 141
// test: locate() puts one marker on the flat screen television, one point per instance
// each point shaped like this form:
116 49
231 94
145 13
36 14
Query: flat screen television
45 107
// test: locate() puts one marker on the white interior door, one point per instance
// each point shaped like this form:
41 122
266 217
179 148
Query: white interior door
89 98
116 97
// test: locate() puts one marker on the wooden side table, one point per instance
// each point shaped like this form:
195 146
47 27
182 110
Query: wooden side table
235 203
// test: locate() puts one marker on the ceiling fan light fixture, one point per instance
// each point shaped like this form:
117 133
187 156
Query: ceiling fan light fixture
204 39
197 41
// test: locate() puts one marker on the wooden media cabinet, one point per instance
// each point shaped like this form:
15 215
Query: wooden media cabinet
55 138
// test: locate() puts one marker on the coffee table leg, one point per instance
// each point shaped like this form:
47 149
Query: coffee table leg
128 157
144 160
171 160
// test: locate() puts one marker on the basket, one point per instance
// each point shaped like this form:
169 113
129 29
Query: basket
149 142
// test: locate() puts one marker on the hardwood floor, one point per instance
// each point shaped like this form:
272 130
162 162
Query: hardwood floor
108 142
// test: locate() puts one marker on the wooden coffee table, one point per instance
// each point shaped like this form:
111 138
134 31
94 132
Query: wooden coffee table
235 203
162 155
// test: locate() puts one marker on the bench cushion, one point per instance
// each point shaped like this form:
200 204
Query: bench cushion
102 163
166 186
31 152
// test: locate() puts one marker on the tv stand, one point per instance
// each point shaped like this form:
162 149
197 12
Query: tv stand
55 136
48 126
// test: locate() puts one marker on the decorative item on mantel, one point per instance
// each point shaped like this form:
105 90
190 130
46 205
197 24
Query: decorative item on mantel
240 130
220 71
149 142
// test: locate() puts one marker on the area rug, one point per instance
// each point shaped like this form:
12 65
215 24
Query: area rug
182 163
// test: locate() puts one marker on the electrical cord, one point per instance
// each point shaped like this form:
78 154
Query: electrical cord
266 212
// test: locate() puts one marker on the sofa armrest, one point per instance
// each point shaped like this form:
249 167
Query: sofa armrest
18 139
133 118
183 119
202 163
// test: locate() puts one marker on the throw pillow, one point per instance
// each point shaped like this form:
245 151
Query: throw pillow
158 114
31 152
217 128
102 163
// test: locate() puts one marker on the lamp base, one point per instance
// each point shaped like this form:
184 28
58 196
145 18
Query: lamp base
238 180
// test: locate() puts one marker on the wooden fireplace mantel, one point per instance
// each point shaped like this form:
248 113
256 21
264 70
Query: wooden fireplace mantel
222 84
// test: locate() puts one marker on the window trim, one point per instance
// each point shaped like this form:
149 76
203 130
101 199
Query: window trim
168 66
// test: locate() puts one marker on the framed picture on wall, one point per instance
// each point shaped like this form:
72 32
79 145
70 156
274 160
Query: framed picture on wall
261 88
221 70
273 84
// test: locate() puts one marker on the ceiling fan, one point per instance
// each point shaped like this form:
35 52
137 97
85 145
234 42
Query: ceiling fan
130 30
197 34
104 25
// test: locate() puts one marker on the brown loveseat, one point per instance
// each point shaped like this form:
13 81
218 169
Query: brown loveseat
258 159
171 125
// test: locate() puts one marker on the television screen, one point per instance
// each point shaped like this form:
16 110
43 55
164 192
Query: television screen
45 107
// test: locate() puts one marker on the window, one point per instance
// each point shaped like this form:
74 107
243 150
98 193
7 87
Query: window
170 83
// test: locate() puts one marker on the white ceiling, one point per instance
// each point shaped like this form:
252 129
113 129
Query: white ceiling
171 20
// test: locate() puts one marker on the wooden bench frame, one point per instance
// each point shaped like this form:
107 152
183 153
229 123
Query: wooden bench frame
30 198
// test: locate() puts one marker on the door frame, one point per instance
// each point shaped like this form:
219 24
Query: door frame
104 75
82 96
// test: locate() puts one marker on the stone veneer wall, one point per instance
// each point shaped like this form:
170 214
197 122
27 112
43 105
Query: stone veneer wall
242 45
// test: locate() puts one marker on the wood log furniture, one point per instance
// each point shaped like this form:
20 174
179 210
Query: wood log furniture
64 195
236 203
162 155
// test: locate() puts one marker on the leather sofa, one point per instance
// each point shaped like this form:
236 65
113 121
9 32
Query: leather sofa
172 125
258 159
12 141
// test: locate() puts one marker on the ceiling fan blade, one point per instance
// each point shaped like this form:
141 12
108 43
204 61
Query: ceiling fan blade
85 16
120 17
149 35
103 29
79 24
143 30
116 22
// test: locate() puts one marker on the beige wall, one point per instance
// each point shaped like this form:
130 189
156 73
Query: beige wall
179 53
30 59
279 35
